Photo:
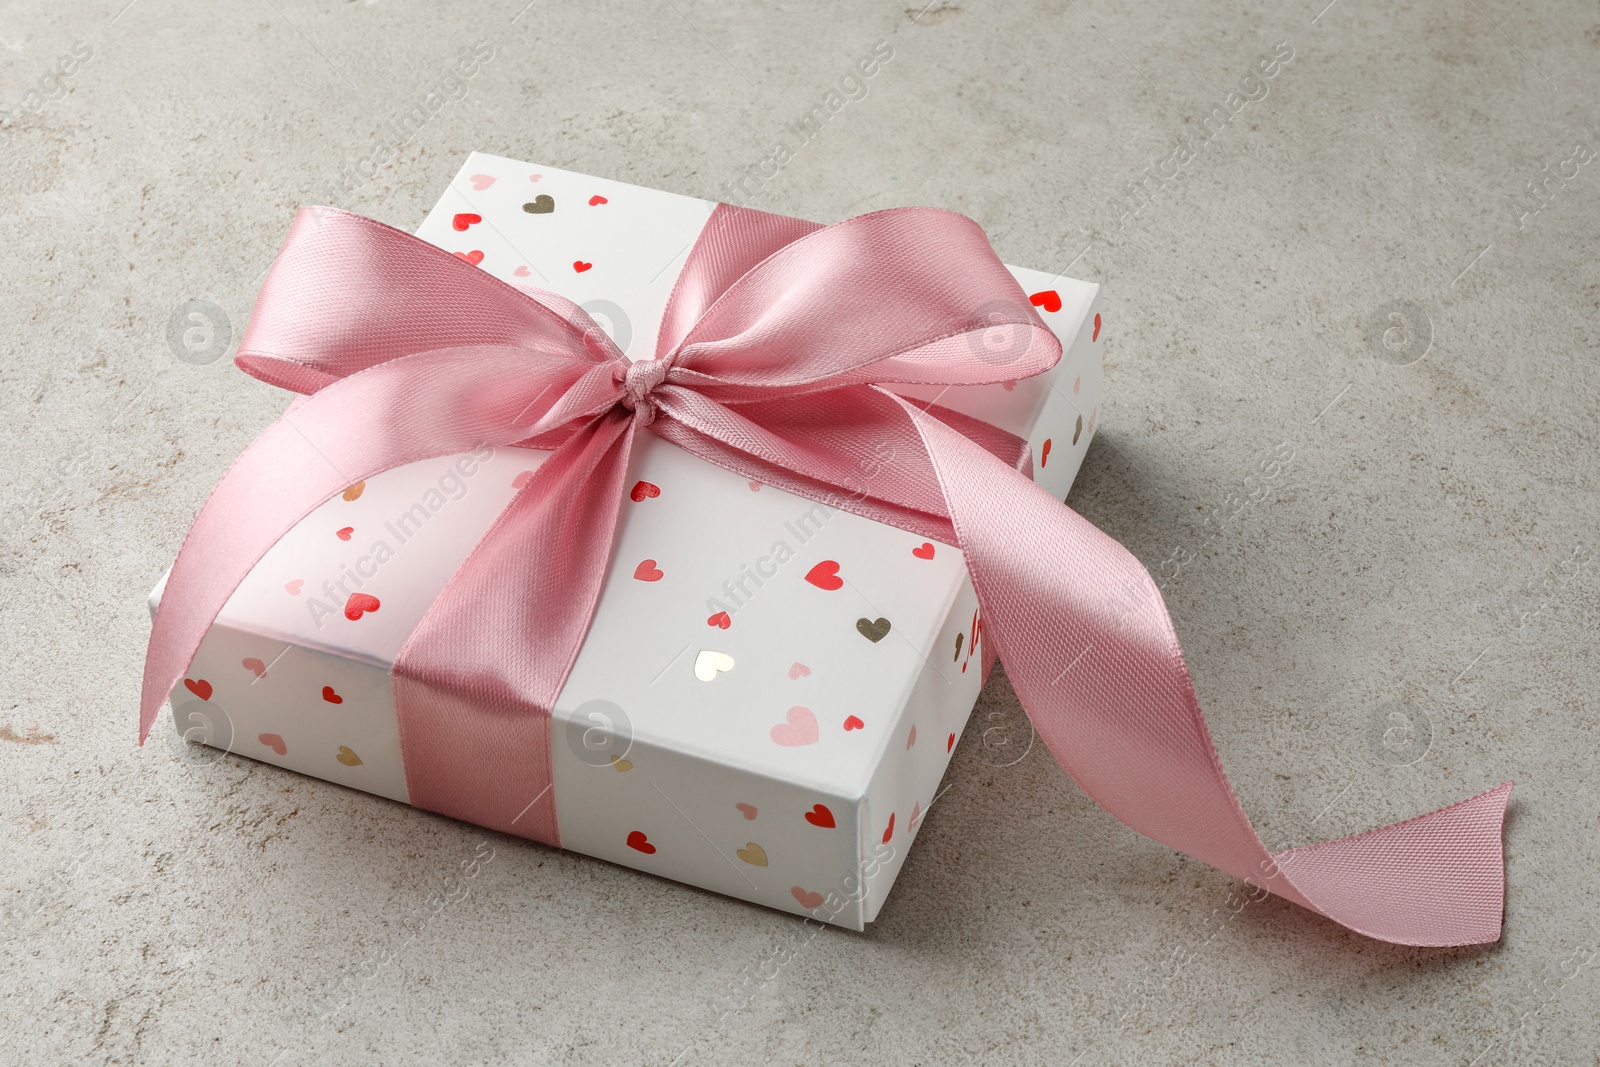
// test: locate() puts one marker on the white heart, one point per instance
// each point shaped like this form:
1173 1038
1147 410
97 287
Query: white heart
708 663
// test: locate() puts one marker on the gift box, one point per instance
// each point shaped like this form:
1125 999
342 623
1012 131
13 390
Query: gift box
771 688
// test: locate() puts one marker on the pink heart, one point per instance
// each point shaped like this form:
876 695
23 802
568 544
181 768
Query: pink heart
916 814
799 670
911 738
522 272
747 810
521 479
254 666
481 182
755 487
274 742
647 571
535 177
801 729
808 900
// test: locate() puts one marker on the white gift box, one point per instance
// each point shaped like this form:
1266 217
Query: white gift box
771 689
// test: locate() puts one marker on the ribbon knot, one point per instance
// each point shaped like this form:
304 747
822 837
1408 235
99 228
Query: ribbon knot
638 381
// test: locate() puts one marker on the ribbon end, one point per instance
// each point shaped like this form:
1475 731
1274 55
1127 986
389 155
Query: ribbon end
1433 881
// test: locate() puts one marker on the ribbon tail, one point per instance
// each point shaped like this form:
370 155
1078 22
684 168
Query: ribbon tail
477 680
1090 649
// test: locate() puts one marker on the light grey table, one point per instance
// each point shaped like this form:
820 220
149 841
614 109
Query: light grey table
1379 261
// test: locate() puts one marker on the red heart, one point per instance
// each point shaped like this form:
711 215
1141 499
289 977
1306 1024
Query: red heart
647 571
1044 453
641 490
889 830
358 604
1050 300
330 696
200 688
808 900
293 588
254 666
925 551
640 843
854 723
580 266
597 200
474 257
274 742
747 810
344 534
720 620
462 221
819 815
948 745
1096 335
825 575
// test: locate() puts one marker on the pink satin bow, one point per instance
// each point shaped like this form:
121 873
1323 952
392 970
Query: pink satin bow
771 361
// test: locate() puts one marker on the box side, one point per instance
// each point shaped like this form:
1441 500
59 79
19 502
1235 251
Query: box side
706 823
306 710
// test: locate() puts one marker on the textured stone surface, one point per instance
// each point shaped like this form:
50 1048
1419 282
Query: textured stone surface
1426 561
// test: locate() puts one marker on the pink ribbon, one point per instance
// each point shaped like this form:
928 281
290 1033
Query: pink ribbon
772 361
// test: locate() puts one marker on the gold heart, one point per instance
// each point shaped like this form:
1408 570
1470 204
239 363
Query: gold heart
348 757
753 854
623 766
542 204
709 662
873 630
